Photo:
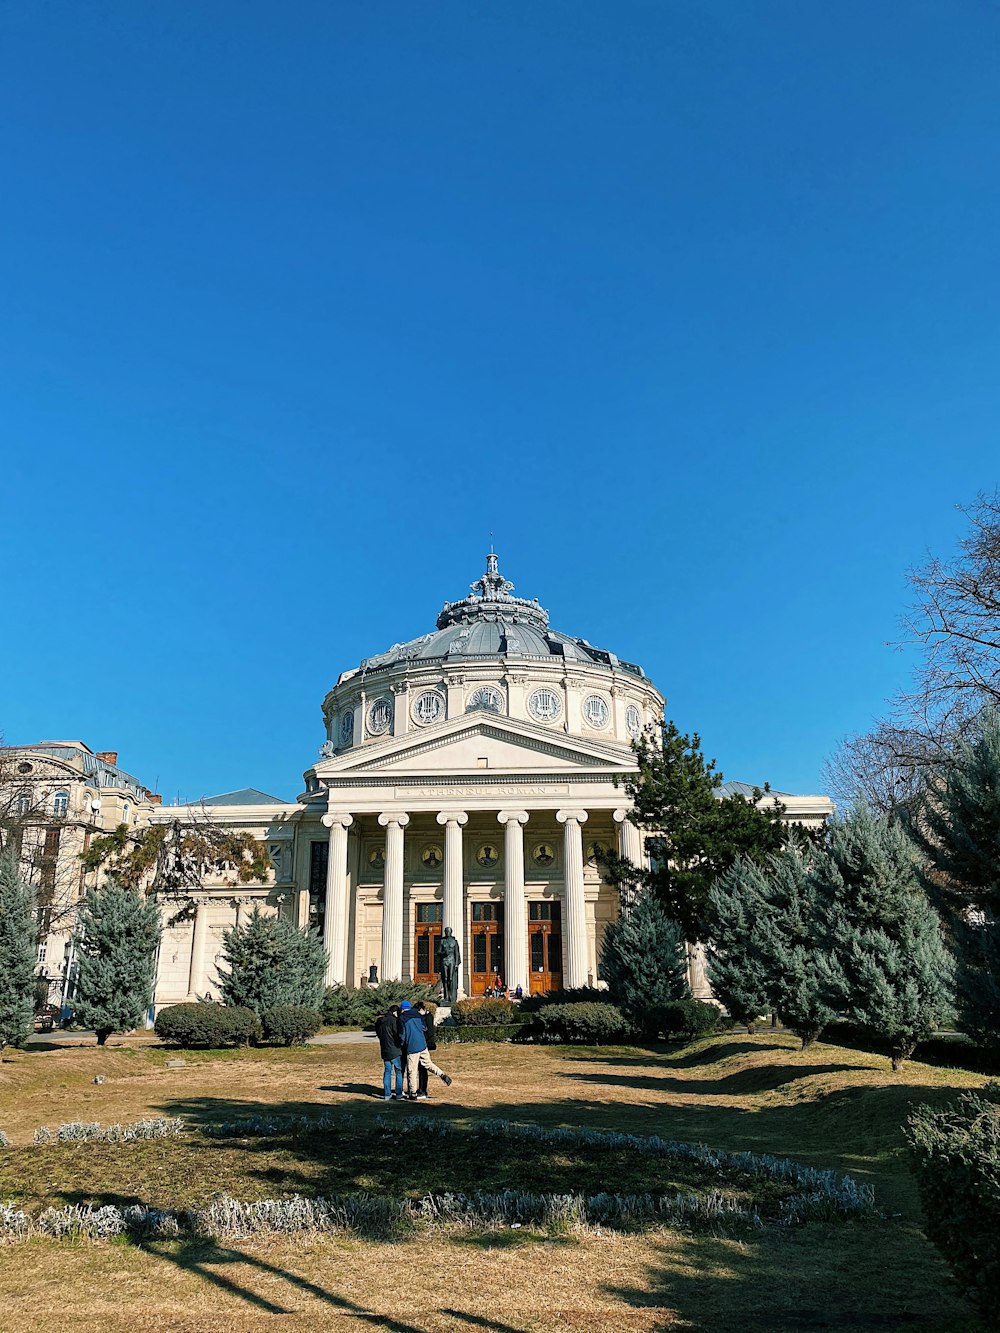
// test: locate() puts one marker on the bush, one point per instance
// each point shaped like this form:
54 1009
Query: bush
579 995
347 1008
684 1020
488 1032
482 1013
207 1025
272 964
590 1023
955 1154
290 1023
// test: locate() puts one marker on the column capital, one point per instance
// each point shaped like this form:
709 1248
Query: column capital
577 816
393 817
512 816
620 815
458 817
340 817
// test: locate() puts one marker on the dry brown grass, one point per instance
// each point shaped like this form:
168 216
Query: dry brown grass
827 1106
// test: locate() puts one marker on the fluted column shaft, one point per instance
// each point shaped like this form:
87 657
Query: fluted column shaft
199 943
574 903
336 913
454 880
392 897
515 923
630 847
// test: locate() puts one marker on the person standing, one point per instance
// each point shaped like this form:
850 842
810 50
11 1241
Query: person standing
431 1039
390 1045
414 1042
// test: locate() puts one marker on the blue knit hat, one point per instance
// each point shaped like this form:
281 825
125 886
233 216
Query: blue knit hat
405 1005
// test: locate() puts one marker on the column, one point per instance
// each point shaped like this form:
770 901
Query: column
574 905
336 914
392 897
199 943
631 849
454 880
515 923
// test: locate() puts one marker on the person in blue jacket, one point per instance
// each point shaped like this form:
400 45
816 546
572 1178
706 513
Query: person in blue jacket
413 1037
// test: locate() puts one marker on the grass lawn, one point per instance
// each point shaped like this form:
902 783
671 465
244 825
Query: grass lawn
827 1107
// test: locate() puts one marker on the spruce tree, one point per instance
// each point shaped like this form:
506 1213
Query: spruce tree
17 955
271 963
884 962
959 835
644 961
735 968
116 948
786 935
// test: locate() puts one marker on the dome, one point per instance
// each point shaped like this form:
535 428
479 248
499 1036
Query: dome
492 623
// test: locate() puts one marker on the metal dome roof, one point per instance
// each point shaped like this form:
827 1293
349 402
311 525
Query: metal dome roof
491 622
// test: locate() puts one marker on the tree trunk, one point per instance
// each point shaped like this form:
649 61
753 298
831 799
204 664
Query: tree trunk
103 1035
900 1054
809 1035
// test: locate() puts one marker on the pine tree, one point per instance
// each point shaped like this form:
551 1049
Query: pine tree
271 964
644 961
736 902
116 948
885 963
786 935
960 837
17 955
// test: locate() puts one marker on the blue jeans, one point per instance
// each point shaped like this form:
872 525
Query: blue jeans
389 1066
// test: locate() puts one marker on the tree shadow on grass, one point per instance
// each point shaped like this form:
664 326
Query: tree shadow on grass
758 1078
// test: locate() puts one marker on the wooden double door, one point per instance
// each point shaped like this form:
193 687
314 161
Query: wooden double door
486 962
427 942
545 963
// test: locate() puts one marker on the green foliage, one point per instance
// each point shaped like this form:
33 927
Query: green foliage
568 995
210 1025
686 1020
347 1008
17 955
271 964
698 835
738 975
644 962
482 1013
959 834
290 1024
177 857
884 962
470 1033
589 1023
116 948
955 1153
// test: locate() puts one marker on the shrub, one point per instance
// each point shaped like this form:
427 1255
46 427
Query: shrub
482 1013
955 1152
272 964
488 1032
290 1023
343 1007
207 1025
644 961
577 995
590 1023
684 1020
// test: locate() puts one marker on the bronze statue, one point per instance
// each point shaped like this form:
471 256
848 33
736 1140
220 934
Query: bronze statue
451 958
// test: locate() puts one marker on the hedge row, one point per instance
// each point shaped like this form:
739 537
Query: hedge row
347 1008
215 1025
486 1032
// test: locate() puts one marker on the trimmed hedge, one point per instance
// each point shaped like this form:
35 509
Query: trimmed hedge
347 1008
483 1013
290 1023
209 1025
487 1032
955 1154
578 995
590 1023
685 1020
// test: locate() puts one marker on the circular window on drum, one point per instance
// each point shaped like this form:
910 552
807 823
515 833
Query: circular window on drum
428 707
544 705
379 717
596 711
486 698
347 727
633 720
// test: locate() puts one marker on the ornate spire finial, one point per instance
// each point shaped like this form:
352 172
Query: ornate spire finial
491 595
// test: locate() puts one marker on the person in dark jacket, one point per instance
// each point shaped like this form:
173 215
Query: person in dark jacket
414 1040
429 1035
391 1047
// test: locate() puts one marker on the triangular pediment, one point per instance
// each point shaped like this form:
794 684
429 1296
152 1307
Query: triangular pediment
468 745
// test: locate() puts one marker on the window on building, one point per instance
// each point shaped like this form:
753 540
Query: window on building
51 848
41 952
60 802
126 811
23 803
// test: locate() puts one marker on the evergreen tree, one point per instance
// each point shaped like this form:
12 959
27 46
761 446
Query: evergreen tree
739 978
959 834
116 948
271 963
17 955
644 962
786 935
885 963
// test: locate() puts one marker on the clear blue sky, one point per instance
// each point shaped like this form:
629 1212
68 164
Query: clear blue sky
693 304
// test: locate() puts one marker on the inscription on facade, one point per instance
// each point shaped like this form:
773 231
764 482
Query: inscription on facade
485 789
